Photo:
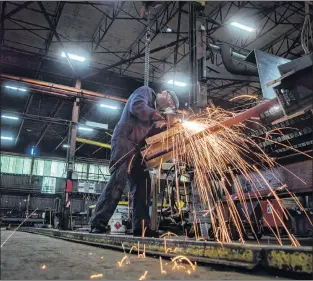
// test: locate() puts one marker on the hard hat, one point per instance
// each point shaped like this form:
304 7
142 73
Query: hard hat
167 99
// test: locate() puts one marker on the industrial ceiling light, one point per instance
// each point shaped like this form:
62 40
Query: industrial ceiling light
6 138
242 26
15 88
85 129
9 117
97 125
177 83
109 106
65 145
73 57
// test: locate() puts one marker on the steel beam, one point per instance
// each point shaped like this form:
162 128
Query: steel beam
156 25
46 127
70 158
53 28
142 55
108 21
28 103
16 10
285 259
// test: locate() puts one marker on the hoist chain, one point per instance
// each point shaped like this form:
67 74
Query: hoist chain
147 53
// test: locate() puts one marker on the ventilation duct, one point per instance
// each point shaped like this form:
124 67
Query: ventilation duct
239 69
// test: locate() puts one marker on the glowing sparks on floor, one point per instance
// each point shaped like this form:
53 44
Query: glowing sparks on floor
161 267
168 234
143 277
96 276
124 259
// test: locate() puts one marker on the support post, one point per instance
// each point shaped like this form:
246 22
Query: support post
154 212
70 162
197 59
192 55
30 181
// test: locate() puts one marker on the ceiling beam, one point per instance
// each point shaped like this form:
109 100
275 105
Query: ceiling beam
16 10
56 35
28 103
108 21
53 114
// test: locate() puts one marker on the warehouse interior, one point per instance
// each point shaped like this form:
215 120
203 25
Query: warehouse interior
231 181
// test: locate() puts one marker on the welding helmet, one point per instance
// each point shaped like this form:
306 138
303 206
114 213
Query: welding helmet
166 100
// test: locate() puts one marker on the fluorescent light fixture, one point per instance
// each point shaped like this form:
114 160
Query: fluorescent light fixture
9 117
16 88
242 26
177 83
65 145
85 129
109 106
6 138
97 125
73 57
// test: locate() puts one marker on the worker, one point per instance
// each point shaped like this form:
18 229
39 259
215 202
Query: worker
142 113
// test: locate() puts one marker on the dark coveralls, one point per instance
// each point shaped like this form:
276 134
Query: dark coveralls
134 126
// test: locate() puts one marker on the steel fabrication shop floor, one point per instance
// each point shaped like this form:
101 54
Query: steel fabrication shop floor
31 256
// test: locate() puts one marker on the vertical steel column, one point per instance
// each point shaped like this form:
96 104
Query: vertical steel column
30 181
192 55
154 211
197 58
70 158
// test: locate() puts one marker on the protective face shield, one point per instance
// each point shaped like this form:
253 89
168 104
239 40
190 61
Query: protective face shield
166 101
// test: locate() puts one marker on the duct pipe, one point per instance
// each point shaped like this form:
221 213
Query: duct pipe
234 55
69 90
239 69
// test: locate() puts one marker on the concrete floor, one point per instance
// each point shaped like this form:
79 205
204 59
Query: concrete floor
30 256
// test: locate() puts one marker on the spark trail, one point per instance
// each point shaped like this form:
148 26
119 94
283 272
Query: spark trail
218 156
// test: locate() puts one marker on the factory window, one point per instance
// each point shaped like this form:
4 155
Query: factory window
93 172
58 169
104 173
98 173
48 185
15 165
49 168
81 169
38 167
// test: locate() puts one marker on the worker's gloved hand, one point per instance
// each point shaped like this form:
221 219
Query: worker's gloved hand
161 124
157 116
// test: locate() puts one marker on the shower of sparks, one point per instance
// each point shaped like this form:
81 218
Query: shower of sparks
168 234
96 276
244 96
121 262
217 154
161 267
143 277
143 228
180 259
17 228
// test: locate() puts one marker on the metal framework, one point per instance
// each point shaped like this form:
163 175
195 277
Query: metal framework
221 85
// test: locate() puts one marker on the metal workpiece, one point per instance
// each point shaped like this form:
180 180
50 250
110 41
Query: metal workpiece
284 259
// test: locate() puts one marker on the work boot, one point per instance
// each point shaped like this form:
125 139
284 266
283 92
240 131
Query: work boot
99 229
148 233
